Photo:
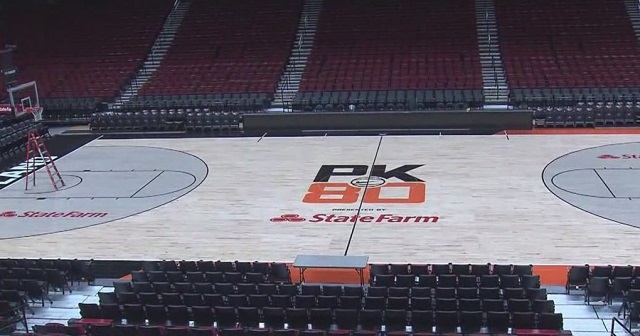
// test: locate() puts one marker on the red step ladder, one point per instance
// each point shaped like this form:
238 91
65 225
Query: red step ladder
38 155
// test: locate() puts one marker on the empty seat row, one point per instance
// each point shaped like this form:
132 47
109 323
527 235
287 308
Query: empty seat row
443 269
155 330
246 288
442 301
278 272
324 318
141 122
451 280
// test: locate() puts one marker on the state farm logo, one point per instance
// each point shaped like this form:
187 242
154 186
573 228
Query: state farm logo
55 214
288 218
623 156
8 214
333 218
347 184
6 108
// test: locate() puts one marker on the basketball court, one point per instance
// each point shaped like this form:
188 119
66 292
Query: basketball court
553 199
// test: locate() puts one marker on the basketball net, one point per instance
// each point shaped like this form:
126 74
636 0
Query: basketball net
36 111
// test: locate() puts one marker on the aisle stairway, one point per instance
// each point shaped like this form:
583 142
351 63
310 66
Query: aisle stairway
290 79
156 55
495 85
633 9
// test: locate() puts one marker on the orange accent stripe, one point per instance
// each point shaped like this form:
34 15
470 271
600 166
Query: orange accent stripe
550 275
565 131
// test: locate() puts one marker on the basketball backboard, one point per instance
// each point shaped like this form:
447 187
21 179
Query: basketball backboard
23 96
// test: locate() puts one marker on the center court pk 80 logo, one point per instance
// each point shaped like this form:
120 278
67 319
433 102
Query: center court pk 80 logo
345 184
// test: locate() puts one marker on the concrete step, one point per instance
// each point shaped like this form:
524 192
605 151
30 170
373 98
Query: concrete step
288 86
284 85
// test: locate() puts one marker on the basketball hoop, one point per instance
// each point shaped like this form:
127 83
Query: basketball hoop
36 111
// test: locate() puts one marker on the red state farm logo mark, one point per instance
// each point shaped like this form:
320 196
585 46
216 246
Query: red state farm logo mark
288 218
623 156
41 214
8 214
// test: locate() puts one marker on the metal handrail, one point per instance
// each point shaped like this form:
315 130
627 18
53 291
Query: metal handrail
283 88
615 321
142 70
286 81
156 44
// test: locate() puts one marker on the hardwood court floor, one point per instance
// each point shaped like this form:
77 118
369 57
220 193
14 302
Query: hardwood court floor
486 191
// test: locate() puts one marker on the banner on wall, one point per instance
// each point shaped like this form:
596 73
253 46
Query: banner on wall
6 109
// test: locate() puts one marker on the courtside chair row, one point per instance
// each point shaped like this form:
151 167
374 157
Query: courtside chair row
197 120
266 268
457 269
59 329
578 276
210 277
75 269
134 330
13 139
241 288
261 301
32 289
452 280
630 304
50 278
324 318
584 115
572 96
127 288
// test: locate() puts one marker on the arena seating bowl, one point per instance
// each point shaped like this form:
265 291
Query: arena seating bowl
90 55
226 53
398 55
568 51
